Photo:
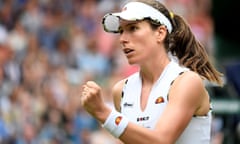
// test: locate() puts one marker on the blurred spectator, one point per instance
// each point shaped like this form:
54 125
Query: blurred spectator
49 30
3 130
92 62
86 15
32 16
63 55
83 125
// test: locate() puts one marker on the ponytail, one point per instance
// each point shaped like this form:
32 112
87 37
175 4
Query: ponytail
190 52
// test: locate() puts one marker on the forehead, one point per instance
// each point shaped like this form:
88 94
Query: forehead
124 23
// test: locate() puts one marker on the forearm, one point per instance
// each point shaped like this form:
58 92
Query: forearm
136 134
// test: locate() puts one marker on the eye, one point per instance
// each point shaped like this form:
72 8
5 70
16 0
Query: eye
132 28
120 30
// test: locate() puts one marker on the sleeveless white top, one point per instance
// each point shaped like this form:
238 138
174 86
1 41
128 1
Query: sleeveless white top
197 131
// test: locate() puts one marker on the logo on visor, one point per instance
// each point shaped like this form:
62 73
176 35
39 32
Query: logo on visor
124 8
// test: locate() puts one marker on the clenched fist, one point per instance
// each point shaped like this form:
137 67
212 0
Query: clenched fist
92 101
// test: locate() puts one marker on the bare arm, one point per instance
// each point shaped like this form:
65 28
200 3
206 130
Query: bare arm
117 94
185 99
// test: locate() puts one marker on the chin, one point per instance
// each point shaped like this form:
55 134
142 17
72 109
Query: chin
131 62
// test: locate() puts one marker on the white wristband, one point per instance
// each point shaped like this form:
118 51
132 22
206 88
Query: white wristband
116 123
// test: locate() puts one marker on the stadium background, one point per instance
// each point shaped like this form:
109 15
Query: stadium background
48 48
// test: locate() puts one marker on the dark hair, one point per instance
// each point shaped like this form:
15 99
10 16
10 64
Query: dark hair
182 43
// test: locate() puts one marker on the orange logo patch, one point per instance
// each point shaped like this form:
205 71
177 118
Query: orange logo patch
159 100
118 120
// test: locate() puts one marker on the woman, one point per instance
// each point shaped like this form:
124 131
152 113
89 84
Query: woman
166 101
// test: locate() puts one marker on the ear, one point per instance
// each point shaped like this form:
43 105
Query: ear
161 33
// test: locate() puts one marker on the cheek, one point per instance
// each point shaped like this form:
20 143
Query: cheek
144 42
145 37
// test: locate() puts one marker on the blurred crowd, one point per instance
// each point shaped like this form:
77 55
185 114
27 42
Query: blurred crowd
49 48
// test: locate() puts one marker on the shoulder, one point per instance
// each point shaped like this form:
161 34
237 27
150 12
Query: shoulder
190 76
118 86
189 81
188 88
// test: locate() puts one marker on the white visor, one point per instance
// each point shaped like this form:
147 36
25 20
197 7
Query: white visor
134 11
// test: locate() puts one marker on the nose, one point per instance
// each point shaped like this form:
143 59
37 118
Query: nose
123 39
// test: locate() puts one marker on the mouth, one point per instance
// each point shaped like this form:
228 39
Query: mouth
127 50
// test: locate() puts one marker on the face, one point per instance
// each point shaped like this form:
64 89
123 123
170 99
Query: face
139 42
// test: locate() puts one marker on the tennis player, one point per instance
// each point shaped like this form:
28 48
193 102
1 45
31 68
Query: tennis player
165 102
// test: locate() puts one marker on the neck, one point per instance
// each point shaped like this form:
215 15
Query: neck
150 73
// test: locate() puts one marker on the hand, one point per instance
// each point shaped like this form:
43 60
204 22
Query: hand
92 101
